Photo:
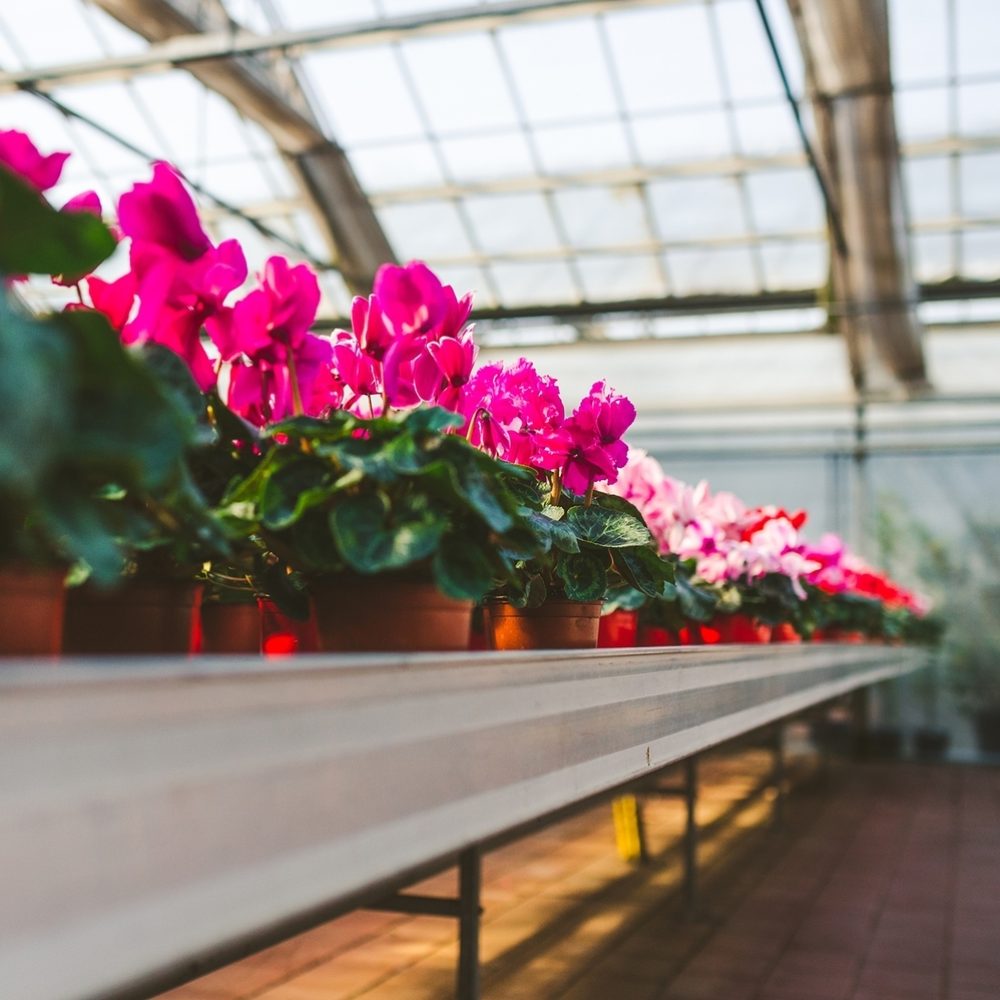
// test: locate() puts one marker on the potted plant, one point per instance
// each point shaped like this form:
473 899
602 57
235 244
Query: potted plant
586 542
90 429
396 523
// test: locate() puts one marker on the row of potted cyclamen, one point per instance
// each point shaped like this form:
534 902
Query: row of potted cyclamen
180 451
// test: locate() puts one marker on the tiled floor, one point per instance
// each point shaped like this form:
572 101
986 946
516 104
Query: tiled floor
883 884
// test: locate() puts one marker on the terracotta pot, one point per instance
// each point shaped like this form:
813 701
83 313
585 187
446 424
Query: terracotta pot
742 629
618 630
282 635
230 628
655 635
140 616
378 614
557 624
31 611
785 632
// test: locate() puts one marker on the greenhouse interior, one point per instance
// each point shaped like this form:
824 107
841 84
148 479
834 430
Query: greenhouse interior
499 499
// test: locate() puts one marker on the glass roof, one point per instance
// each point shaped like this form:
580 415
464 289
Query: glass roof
638 152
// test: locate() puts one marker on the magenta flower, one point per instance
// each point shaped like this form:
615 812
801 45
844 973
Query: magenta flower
413 301
264 392
444 368
516 414
369 327
113 298
358 371
161 212
596 429
273 319
21 157
181 279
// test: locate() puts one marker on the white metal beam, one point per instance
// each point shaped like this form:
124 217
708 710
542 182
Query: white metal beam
193 46
154 815
268 92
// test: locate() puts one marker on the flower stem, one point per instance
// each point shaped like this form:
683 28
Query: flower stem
589 499
556 494
296 394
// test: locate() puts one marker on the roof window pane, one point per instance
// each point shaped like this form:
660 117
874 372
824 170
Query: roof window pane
460 82
933 257
577 148
425 229
918 37
511 223
785 201
794 264
923 114
488 157
396 165
621 276
522 284
364 94
678 138
665 58
928 188
596 217
690 210
980 185
977 31
723 271
559 89
766 130
750 67
981 254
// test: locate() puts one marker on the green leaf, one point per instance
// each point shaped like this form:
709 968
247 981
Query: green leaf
554 533
644 569
174 376
125 424
37 239
462 570
313 543
286 590
431 420
584 576
532 596
292 489
607 528
373 537
695 603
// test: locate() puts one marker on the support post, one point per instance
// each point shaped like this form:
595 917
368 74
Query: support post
691 834
778 775
469 885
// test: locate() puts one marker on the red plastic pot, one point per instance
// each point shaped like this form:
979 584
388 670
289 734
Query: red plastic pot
618 630
31 611
655 635
282 635
742 629
785 632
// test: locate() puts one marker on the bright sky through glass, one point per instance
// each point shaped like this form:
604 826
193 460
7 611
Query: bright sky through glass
638 153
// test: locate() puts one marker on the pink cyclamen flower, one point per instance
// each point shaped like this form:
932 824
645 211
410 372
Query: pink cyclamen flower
22 157
444 368
516 414
113 298
271 321
413 300
596 428
161 212
181 278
